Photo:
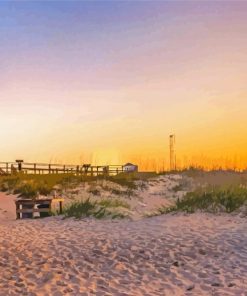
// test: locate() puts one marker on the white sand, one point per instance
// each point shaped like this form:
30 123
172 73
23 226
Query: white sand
200 254
7 207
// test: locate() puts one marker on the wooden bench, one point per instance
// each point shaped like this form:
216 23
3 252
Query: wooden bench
27 208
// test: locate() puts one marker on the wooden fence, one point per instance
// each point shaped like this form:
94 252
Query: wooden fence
7 168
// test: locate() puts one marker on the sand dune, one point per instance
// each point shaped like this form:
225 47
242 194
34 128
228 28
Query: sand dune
199 254
157 192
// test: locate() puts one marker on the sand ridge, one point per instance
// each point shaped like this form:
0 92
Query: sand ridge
145 199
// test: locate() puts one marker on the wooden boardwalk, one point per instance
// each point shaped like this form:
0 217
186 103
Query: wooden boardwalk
19 166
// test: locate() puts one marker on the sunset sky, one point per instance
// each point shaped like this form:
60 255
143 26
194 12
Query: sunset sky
107 82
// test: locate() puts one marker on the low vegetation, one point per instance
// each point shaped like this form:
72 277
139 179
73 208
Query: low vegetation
26 188
30 185
94 191
113 203
125 181
210 200
129 179
89 208
219 191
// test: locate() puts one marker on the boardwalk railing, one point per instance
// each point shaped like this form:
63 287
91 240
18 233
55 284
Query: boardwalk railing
7 168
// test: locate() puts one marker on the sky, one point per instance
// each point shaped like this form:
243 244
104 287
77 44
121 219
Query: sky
107 82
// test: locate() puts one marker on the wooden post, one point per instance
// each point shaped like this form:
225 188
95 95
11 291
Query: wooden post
18 215
50 207
19 162
60 207
33 210
49 168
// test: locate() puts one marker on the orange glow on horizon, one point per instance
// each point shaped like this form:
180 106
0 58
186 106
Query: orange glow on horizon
109 87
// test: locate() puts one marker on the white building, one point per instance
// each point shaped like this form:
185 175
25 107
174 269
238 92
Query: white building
129 167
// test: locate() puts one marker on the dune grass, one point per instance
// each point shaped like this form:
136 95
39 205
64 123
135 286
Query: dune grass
210 200
26 190
79 209
44 183
94 191
113 203
125 181
89 208
30 185
26 186
128 179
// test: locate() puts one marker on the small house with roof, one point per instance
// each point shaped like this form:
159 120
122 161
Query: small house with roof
130 167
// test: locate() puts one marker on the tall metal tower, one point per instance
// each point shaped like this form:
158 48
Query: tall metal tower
172 153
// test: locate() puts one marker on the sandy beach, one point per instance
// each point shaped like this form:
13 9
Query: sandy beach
198 254
123 160
7 207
